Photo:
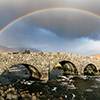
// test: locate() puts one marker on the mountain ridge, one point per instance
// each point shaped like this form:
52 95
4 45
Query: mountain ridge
95 56
16 49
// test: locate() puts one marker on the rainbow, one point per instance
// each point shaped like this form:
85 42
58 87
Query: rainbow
47 9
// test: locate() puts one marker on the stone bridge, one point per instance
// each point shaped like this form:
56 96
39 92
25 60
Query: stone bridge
41 64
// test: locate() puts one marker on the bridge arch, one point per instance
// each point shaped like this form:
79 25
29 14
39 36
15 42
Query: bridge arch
90 69
69 68
33 72
64 68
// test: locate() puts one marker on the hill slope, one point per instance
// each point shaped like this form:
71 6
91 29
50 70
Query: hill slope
22 49
5 49
16 49
95 56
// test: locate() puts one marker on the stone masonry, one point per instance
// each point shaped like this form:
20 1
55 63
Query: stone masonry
45 62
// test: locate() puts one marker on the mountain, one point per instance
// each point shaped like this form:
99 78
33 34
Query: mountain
95 56
22 49
5 49
17 49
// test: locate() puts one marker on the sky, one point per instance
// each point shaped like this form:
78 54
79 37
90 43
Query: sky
52 31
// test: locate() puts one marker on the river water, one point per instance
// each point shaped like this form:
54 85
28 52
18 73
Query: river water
59 87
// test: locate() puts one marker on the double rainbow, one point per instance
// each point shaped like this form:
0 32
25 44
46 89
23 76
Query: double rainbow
47 9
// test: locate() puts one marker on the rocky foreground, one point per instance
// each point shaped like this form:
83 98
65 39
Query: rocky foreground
16 85
22 92
13 87
11 93
33 90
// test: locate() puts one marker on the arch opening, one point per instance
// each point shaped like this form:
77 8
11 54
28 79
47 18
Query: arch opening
25 71
90 69
56 72
69 68
63 68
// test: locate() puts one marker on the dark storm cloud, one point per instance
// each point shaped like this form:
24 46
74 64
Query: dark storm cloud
52 31
22 34
68 24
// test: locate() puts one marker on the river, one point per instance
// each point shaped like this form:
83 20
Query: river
59 87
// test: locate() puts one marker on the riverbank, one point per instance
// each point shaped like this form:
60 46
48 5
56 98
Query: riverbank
22 92
10 92
36 91
26 89
16 85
